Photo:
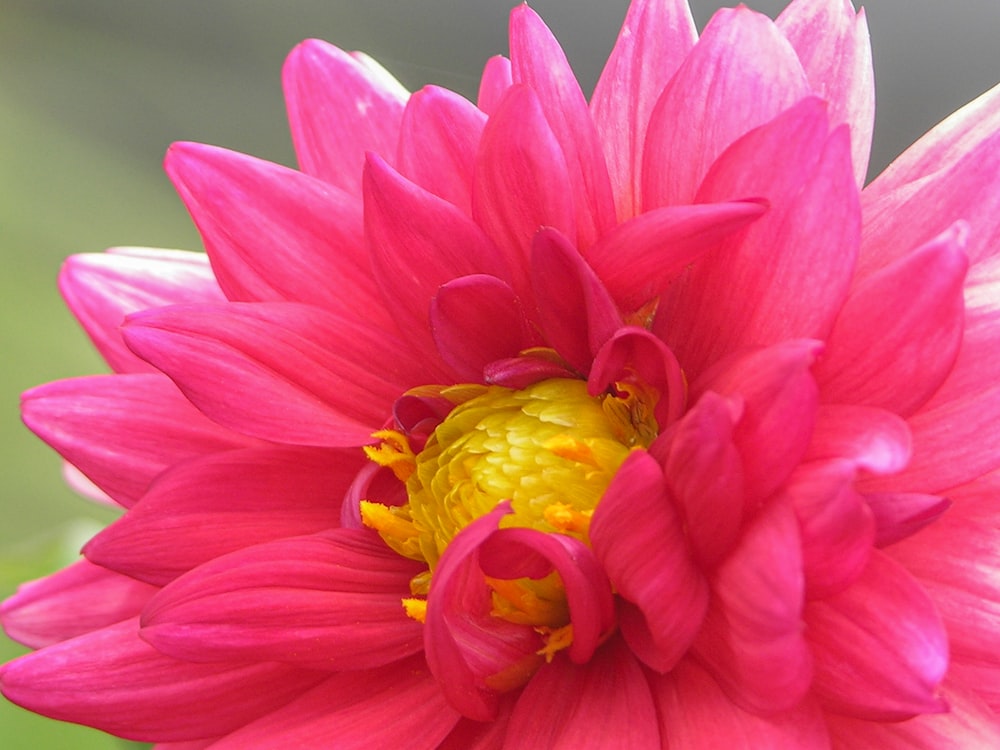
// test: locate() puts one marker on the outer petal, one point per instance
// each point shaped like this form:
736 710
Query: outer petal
637 535
604 703
223 502
538 61
121 431
832 43
102 288
273 233
339 107
903 324
112 680
327 601
741 74
655 39
695 714
880 648
873 439
497 78
72 602
328 380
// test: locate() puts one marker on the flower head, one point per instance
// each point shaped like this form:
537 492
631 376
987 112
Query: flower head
540 422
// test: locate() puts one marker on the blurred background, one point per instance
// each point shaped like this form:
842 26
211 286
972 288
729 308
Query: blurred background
92 93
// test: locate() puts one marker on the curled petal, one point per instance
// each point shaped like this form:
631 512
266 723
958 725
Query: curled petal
902 514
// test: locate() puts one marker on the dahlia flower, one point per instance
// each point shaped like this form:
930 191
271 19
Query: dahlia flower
540 422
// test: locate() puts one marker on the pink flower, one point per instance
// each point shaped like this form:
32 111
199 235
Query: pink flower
540 423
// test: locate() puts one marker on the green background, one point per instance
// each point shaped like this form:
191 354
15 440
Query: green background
93 91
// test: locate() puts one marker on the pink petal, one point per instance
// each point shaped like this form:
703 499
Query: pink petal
223 502
113 680
835 523
477 320
638 537
328 601
879 646
638 259
348 712
538 61
874 439
779 410
72 602
695 714
276 234
886 335
282 371
604 703
531 367
480 735
576 312
339 107
705 475
521 181
102 288
794 265
121 431
438 140
740 74
497 78
902 514
832 42
753 640
654 40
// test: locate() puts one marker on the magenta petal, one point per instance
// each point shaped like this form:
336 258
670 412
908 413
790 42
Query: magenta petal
740 74
639 258
223 502
113 680
654 40
328 601
873 439
74 601
602 704
521 182
832 42
497 78
339 107
902 514
281 371
532 367
753 640
538 61
121 431
576 312
102 288
880 648
695 714
477 320
638 537
398 706
886 334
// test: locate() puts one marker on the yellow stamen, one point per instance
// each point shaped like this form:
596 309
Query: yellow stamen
394 453
556 639
416 609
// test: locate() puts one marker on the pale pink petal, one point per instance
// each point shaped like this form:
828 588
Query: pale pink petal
695 714
72 602
329 381
521 180
102 288
328 601
275 234
438 140
874 439
740 74
113 680
753 641
638 537
654 40
339 107
903 324
832 43
497 78
349 712
639 258
538 61
794 265
604 703
121 431
879 647
228 500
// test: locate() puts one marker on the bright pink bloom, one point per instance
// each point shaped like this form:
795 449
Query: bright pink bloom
539 423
